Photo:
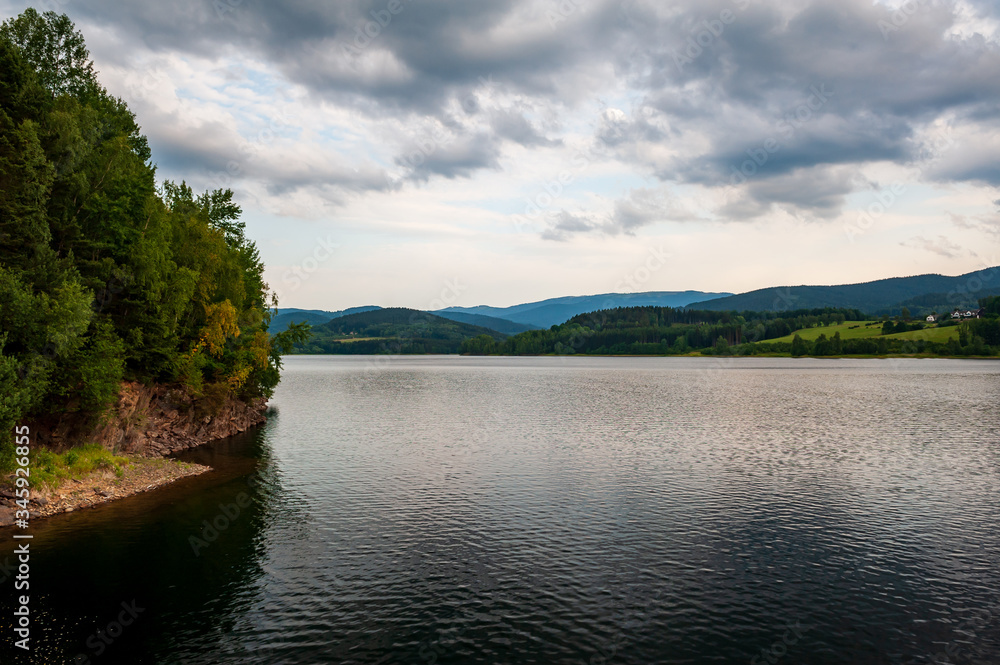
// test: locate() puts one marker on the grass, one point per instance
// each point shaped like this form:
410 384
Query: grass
50 470
862 329
928 334
847 330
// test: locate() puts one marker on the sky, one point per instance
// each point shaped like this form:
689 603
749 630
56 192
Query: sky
430 153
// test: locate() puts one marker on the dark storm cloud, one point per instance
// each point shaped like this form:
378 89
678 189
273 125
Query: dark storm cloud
829 87
821 84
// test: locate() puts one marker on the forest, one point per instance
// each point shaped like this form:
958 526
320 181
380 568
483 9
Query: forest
668 331
106 274
394 331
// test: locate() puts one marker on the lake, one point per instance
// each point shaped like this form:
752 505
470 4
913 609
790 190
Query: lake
556 510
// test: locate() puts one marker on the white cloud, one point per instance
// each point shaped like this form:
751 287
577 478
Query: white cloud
465 137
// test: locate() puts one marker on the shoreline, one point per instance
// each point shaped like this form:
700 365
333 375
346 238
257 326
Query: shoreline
147 425
890 356
98 488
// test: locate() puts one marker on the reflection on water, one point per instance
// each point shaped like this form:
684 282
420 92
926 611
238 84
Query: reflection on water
547 510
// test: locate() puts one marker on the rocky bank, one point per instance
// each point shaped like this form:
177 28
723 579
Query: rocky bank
153 421
147 422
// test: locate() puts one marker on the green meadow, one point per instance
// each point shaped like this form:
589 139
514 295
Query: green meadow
847 330
861 329
928 334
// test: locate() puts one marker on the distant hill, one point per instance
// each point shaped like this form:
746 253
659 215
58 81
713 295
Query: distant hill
316 317
882 295
547 313
393 330
491 322
313 317
939 303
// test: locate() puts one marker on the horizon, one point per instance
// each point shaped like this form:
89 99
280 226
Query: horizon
529 150
633 293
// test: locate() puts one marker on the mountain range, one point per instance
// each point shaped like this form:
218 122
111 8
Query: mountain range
921 294
517 318
547 313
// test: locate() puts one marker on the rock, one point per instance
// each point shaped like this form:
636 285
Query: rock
6 516
41 501
102 493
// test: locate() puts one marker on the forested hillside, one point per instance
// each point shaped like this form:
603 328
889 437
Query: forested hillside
545 313
920 293
106 275
283 318
394 330
667 331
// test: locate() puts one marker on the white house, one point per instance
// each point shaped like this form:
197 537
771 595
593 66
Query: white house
931 318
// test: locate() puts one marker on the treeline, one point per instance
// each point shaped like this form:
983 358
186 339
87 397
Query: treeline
667 331
393 330
967 344
104 275
372 347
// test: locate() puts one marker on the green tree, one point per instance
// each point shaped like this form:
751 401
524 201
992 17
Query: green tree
821 347
103 275
721 347
799 346
836 344
58 52
481 345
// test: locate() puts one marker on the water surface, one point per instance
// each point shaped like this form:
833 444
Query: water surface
559 510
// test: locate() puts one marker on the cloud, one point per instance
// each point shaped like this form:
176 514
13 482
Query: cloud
988 224
450 157
818 191
639 208
512 125
781 100
941 246
563 224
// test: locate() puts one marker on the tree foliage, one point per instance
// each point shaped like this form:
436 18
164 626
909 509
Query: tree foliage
666 331
104 275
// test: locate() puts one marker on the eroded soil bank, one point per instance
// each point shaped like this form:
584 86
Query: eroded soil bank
147 423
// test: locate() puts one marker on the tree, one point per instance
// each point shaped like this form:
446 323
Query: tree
836 345
721 347
822 346
103 276
58 52
799 346
481 345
